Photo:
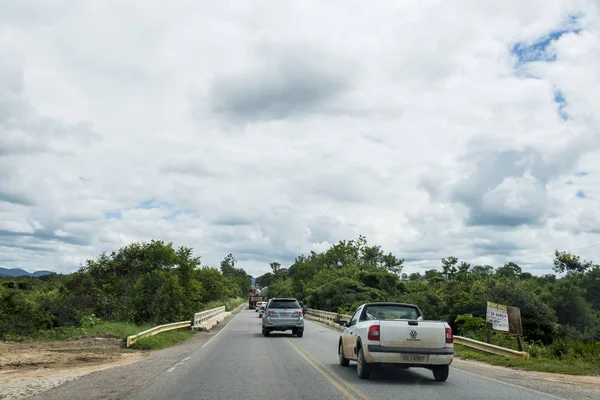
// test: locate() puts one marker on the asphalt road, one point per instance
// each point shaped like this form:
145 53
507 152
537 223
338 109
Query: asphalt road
239 363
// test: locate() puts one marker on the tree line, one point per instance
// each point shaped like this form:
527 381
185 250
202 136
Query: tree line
155 283
142 283
565 304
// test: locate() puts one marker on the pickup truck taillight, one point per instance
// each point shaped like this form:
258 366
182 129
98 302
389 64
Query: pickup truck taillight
373 332
449 337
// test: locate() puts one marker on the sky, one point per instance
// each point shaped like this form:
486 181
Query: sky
270 129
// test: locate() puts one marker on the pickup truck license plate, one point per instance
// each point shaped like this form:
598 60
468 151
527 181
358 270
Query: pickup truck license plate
418 358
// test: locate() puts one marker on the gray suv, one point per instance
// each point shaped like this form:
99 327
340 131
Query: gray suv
283 314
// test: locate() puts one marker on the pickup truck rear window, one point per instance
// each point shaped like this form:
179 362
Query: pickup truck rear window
284 304
391 312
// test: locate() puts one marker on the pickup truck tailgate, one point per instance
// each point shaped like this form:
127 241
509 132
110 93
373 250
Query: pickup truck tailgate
423 334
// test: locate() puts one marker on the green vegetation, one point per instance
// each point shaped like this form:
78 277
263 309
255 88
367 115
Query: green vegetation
148 284
139 286
162 340
105 329
560 315
554 365
229 304
564 355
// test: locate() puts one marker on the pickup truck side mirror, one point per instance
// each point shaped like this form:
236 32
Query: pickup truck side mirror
343 323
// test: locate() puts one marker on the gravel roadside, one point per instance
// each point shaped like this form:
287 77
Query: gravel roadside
569 387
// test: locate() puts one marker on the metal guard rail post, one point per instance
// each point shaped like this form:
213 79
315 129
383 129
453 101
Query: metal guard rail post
157 329
327 317
202 316
490 348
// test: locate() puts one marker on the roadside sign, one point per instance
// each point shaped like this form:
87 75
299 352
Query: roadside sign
497 316
502 318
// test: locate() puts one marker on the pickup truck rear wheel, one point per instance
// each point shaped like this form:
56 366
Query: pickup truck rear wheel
362 367
440 372
344 362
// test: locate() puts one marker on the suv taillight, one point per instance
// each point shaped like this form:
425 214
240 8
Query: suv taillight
449 337
373 332
297 313
271 313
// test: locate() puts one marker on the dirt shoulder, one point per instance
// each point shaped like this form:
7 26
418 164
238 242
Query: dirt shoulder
585 380
563 386
29 368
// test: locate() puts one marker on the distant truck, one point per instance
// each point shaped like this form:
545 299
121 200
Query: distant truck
252 300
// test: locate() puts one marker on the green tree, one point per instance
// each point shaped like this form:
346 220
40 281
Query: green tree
275 266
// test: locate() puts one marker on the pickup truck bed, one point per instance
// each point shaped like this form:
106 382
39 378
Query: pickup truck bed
395 333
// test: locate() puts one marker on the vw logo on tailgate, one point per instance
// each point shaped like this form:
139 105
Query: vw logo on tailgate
413 336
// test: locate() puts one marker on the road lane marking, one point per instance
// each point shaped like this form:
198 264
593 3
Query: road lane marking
348 384
218 333
179 364
214 337
320 371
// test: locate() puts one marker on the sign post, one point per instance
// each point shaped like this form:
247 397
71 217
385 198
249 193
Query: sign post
504 319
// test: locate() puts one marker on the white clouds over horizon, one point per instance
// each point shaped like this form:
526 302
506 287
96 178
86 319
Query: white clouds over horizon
268 130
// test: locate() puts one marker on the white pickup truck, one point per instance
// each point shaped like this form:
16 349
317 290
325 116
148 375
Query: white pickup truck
395 333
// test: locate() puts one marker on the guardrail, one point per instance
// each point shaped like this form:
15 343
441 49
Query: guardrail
156 330
203 316
328 316
199 318
329 319
490 348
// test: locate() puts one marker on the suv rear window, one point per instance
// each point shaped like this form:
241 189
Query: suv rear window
284 304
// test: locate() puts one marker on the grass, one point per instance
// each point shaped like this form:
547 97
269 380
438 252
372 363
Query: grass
120 330
229 304
162 340
571 367
563 356
111 329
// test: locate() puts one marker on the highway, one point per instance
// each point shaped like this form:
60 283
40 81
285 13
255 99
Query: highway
239 363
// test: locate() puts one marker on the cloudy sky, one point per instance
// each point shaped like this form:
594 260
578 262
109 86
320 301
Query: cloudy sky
270 129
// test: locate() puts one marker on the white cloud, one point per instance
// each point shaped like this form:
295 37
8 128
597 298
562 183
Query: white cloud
269 130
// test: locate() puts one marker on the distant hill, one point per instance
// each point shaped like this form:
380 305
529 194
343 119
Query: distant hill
22 272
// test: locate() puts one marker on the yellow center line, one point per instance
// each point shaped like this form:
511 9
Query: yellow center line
307 355
350 386
320 371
